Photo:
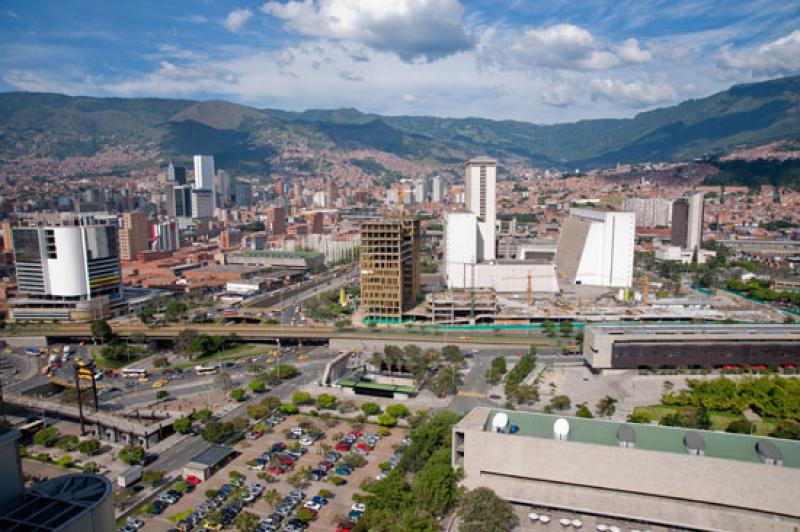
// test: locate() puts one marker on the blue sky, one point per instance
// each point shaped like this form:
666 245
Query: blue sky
543 62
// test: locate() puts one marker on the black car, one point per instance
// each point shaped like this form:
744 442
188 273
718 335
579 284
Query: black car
297 523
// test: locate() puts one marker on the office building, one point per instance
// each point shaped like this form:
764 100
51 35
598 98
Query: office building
480 181
202 203
420 190
225 189
655 476
390 272
277 220
179 201
67 266
244 194
165 235
133 235
176 175
204 177
314 222
331 190
437 189
321 199
691 346
687 221
596 248
651 212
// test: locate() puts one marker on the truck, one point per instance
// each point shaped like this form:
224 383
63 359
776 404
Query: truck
68 350
130 476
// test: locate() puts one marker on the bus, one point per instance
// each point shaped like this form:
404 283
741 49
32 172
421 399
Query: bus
207 370
134 372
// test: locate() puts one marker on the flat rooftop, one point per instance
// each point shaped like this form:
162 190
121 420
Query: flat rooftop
212 456
274 253
656 438
740 329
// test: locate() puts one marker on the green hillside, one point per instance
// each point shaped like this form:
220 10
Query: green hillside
246 139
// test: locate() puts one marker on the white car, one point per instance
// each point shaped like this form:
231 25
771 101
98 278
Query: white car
307 441
311 505
358 507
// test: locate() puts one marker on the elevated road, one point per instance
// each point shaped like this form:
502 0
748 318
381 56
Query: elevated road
267 333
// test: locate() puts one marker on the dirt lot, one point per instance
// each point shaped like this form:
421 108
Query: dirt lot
343 495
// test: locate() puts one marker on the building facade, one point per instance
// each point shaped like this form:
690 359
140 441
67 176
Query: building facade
133 235
650 212
687 221
480 176
205 176
390 271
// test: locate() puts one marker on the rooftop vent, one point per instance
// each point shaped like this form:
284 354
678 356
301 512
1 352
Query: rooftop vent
694 443
626 436
561 429
500 422
769 453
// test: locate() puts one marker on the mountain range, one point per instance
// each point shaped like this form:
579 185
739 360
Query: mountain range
247 139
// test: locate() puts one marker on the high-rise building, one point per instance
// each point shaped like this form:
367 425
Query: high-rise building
687 221
298 189
244 194
202 203
596 248
179 201
204 176
650 212
420 190
176 175
133 235
331 189
67 267
437 189
277 220
480 180
321 199
225 189
390 272
165 235
314 221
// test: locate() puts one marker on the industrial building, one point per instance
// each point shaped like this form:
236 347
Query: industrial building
296 260
390 270
693 346
68 267
658 476
596 248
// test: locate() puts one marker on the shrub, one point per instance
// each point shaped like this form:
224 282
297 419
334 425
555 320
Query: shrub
583 411
301 398
385 420
257 386
289 409
337 480
741 426
152 477
397 411
202 415
639 417
383 432
181 486
67 443
91 467
325 494
560 402
42 457
210 494
326 401
182 425
46 437
305 515
131 454
371 409
65 461
238 395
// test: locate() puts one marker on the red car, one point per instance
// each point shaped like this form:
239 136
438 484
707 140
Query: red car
325 464
191 479
343 446
286 460
278 469
363 446
355 433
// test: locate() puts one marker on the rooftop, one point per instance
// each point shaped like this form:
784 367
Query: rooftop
275 253
212 456
652 437
738 329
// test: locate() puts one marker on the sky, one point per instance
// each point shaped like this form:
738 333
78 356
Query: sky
544 62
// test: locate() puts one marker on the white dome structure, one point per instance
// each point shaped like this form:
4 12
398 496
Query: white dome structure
561 429
500 422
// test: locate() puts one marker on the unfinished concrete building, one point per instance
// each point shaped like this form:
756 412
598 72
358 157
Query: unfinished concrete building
390 274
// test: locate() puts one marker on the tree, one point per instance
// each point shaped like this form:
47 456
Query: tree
91 467
270 403
301 398
326 401
397 411
131 454
639 417
481 510
549 327
446 380
565 327
606 406
160 362
175 310
89 447
305 515
499 363
787 429
102 330
146 313
238 394
184 339
583 411
247 522
525 394
257 411
741 426
47 437
272 497
289 409
152 477
342 323
68 442
385 420
161 395
202 415
371 409
435 487
217 431
257 386
182 425
452 353
560 402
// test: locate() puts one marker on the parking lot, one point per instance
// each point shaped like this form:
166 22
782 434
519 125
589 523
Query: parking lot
330 514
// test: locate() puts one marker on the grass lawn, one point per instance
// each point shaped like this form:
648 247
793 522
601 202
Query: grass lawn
240 351
719 420
113 364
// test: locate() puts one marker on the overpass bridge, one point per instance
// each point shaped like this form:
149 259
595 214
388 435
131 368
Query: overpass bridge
292 334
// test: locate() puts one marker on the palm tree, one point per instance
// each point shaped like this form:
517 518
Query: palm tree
376 360
272 497
324 448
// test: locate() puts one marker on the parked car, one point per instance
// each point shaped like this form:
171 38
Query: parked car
345 471
191 479
358 507
252 435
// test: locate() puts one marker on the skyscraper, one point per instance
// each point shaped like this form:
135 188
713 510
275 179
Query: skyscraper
202 203
179 201
390 273
225 188
437 189
687 221
204 175
479 180
176 174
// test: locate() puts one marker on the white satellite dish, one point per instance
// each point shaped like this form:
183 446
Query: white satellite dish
561 429
500 422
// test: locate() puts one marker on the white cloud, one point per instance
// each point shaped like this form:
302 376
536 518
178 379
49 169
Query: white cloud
236 19
632 93
780 57
559 95
413 29
565 47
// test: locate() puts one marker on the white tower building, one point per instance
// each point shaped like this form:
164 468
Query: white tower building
204 175
479 179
